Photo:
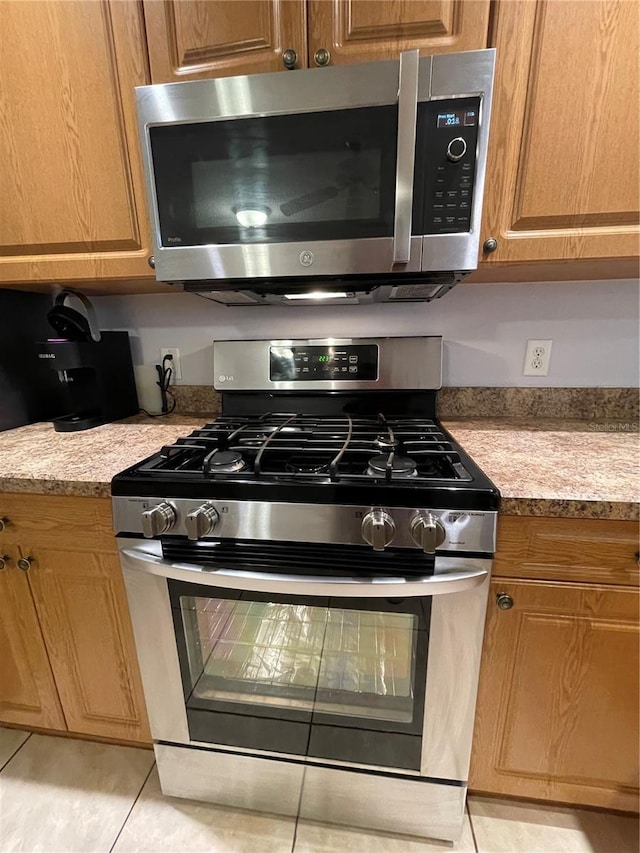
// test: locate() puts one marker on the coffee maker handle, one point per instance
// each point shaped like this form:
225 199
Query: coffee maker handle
90 311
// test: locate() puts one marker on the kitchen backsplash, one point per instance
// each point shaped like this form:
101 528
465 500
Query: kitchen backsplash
619 405
593 326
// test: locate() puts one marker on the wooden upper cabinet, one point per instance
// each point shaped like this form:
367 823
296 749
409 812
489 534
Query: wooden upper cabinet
562 173
370 30
72 201
195 39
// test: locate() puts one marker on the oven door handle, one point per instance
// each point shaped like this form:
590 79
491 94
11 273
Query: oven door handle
440 583
406 153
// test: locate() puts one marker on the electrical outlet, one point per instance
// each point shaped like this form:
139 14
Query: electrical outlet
536 358
174 364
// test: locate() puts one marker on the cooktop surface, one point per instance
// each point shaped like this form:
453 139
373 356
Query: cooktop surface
315 457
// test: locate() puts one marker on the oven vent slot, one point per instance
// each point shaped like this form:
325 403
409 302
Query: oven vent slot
298 558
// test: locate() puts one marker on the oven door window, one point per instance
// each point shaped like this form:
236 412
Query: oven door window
284 178
331 678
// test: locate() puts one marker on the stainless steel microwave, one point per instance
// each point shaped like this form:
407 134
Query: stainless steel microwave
358 183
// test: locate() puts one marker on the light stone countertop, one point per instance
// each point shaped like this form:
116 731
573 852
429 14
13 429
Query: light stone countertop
574 469
38 459
568 468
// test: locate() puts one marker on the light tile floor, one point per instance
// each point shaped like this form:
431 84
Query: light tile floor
59 795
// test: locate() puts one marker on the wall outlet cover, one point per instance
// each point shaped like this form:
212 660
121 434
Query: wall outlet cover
174 364
536 358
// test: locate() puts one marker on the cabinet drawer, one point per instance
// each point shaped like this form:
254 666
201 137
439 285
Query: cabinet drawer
48 519
570 549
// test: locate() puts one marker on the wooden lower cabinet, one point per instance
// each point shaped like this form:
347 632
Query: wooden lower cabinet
72 662
557 714
82 607
28 694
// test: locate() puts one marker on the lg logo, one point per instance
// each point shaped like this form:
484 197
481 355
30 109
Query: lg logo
223 378
306 258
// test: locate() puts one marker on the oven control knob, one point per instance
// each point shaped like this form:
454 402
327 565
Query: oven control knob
427 532
378 529
201 521
159 519
456 149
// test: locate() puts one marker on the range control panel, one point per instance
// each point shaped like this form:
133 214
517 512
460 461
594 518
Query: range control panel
335 362
451 139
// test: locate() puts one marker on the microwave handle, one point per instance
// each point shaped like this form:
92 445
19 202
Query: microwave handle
467 574
406 153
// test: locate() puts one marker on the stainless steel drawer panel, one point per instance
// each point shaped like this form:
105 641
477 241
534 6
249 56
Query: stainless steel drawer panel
234 780
429 810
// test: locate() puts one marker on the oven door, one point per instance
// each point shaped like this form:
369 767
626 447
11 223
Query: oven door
269 176
376 672
332 678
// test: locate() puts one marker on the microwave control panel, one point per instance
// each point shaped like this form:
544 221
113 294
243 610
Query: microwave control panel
339 362
449 129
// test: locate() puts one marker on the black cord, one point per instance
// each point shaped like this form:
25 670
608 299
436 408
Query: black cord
164 380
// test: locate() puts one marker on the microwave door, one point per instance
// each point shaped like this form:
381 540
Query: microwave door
311 175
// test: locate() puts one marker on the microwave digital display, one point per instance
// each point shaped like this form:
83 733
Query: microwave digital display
457 118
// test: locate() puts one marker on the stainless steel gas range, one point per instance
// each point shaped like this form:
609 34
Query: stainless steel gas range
307 578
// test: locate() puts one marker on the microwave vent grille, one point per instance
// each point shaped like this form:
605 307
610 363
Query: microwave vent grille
232 297
415 291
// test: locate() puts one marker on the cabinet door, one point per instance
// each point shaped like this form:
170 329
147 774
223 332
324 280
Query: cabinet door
82 607
72 204
557 714
369 30
28 695
194 39
562 172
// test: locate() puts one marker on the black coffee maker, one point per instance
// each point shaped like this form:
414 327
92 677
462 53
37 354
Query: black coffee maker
94 367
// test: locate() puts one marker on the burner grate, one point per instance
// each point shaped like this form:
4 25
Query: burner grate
288 445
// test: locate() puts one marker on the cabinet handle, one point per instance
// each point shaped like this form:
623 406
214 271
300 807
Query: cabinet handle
504 601
289 58
322 56
24 563
4 560
489 245
151 261
3 522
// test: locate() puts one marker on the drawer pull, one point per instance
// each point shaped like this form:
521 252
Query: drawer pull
504 601
4 560
24 563
3 522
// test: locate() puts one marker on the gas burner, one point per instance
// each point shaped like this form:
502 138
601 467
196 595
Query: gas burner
386 442
303 464
224 462
401 466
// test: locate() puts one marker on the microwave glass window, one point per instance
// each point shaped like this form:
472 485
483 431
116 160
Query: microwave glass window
316 176
329 660
308 187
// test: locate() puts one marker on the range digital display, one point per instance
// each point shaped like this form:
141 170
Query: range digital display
304 364
457 118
